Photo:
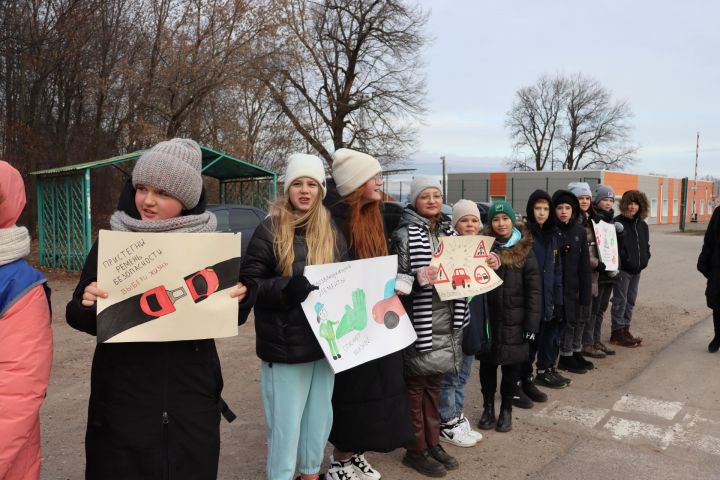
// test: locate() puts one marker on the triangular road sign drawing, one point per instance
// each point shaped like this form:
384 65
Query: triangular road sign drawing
442 275
480 251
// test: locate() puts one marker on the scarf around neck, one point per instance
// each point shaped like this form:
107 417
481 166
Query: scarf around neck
14 244
514 238
204 222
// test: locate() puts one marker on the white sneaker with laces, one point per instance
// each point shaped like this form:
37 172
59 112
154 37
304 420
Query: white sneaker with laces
454 433
363 469
468 428
339 471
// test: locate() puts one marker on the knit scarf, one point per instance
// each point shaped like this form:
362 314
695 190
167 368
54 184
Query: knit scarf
14 244
204 222
420 256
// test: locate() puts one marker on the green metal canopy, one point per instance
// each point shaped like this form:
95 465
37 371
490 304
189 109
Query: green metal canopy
63 200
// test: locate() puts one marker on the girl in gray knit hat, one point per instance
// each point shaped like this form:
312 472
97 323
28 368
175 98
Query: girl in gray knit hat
154 406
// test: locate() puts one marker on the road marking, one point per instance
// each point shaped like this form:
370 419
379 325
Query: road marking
587 417
623 429
650 406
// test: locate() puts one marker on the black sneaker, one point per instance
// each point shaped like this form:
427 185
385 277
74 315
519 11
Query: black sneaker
560 378
546 378
586 364
570 363
519 398
423 462
439 454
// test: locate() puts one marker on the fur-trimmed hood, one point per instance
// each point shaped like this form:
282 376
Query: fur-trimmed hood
514 256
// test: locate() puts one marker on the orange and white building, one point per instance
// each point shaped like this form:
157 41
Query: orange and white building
664 193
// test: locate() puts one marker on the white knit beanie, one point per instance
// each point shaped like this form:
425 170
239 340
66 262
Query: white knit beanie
420 183
173 166
351 169
579 189
304 165
463 208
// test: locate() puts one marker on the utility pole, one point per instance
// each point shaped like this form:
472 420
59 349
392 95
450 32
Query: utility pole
443 178
693 217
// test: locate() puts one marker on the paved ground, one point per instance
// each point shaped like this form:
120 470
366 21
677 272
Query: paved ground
651 412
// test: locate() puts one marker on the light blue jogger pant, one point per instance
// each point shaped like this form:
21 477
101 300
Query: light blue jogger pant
297 399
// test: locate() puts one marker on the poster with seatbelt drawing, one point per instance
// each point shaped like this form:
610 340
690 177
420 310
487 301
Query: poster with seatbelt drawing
167 286
355 313
462 267
607 246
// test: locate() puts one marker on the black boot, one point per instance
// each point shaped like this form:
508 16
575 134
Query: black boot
584 363
423 462
715 342
439 454
487 419
528 386
504 423
520 399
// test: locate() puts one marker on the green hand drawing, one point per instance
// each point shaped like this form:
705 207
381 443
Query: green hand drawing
355 317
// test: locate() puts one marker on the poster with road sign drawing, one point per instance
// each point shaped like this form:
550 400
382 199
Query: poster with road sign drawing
462 267
606 239
355 314
167 286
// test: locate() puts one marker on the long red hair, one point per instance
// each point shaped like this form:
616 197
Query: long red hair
366 230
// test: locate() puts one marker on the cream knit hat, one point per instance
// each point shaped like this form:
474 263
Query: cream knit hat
463 208
351 169
420 183
304 165
173 166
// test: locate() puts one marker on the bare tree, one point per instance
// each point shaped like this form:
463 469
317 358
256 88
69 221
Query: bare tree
574 117
347 73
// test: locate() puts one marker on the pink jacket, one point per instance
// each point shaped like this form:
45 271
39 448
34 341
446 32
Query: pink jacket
25 352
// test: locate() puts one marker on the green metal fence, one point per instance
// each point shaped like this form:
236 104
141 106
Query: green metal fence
64 220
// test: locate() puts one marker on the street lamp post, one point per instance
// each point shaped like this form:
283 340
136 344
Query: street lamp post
443 177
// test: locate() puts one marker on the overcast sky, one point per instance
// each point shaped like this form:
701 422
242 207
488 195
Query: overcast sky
663 57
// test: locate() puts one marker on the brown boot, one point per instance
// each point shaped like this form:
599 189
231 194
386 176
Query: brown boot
604 348
619 337
637 340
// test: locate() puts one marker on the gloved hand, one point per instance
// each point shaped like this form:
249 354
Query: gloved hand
601 267
529 336
427 275
298 289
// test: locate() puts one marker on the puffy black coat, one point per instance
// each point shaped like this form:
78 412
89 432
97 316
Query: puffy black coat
154 408
634 244
282 332
515 306
370 405
546 238
709 261
575 257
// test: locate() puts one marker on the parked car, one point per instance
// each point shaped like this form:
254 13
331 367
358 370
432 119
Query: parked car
238 218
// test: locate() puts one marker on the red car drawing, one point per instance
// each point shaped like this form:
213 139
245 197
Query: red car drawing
460 277
388 312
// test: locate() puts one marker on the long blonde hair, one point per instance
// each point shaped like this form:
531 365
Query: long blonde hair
319 234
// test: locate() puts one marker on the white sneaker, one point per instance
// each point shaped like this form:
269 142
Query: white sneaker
363 469
338 471
468 428
454 433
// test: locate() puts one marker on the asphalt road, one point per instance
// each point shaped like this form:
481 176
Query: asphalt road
650 412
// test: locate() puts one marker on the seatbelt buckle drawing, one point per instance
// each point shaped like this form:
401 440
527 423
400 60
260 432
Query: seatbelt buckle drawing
202 284
159 301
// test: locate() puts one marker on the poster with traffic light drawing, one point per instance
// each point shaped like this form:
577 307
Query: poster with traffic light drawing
462 267
606 241
355 313
167 286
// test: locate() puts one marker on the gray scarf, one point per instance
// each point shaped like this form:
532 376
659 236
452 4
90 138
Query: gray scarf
204 222
14 244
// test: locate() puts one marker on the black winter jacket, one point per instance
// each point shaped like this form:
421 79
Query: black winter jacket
515 306
634 244
154 409
370 405
575 257
709 261
546 239
283 334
